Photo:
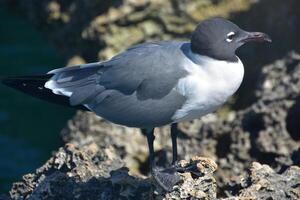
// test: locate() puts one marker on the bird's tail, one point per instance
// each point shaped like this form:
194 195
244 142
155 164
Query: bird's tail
35 86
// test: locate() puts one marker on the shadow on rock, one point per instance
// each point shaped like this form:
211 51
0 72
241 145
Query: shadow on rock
74 173
91 173
119 185
81 174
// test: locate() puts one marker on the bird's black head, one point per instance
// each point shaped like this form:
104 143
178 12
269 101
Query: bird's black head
219 38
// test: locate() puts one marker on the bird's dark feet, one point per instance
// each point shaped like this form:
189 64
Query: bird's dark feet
189 168
167 178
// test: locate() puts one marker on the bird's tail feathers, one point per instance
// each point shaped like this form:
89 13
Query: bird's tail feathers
35 86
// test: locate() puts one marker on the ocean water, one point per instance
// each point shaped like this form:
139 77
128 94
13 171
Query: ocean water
29 128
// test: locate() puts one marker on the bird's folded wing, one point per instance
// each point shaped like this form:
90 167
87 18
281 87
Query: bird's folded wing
151 70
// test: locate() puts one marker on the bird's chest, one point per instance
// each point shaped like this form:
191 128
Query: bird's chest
207 87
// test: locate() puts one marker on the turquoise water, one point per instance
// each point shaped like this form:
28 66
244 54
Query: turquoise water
29 128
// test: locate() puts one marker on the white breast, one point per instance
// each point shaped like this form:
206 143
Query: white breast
208 85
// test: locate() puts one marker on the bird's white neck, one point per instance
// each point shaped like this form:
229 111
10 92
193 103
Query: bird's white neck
209 84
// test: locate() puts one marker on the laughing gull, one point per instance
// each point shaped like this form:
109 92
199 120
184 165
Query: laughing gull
153 84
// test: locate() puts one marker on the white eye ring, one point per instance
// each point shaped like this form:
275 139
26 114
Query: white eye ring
229 36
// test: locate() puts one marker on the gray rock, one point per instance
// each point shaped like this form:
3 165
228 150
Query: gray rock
262 182
87 172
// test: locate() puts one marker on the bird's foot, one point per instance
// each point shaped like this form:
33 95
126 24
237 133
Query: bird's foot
193 169
167 178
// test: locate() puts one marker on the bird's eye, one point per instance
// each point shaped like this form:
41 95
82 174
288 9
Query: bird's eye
230 36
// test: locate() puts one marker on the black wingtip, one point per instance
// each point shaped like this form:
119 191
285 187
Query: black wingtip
7 81
34 86
10 81
16 80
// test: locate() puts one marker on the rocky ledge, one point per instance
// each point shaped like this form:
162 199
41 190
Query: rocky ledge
93 173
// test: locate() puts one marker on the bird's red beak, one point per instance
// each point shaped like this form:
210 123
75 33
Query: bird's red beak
256 37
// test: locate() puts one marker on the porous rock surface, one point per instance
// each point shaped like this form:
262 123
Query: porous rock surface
87 172
262 182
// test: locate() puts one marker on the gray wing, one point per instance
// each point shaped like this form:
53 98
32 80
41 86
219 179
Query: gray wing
150 69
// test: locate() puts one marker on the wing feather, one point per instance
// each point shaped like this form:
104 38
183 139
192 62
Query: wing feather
150 69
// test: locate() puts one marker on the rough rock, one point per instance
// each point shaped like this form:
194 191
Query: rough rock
263 182
91 173
87 172
70 168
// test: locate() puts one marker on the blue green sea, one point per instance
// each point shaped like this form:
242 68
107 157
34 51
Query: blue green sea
29 128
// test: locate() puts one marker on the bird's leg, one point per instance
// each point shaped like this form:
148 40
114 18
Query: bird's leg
166 178
174 132
150 139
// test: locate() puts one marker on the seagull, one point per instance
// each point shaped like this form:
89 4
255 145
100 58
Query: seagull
153 84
